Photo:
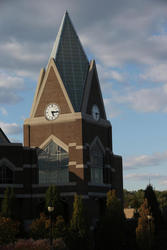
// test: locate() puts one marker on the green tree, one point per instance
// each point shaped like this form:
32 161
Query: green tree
111 229
145 228
8 208
52 198
78 230
154 206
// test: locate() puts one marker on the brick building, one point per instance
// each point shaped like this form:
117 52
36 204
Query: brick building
67 138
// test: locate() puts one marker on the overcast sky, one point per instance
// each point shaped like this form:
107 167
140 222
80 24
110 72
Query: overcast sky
128 40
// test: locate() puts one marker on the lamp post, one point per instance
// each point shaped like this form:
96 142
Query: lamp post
50 210
149 217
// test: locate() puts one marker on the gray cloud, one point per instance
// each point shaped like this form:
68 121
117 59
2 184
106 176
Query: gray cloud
121 31
144 99
9 97
155 159
11 128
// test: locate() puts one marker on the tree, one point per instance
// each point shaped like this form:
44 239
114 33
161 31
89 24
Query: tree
8 208
154 206
78 231
111 227
52 198
145 228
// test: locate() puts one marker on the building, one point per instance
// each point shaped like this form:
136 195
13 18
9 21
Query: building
69 131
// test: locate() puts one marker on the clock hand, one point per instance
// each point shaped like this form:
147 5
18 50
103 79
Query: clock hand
54 112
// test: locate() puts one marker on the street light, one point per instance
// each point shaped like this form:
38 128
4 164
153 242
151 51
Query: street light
50 210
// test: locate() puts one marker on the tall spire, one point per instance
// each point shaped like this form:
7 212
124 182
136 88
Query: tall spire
71 61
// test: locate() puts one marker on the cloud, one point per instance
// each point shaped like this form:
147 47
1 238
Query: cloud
3 111
108 74
9 87
145 160
156 73
11 82
145 177
120 32
145 99
9 97
11 128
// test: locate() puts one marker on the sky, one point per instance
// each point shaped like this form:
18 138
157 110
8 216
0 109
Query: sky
128 40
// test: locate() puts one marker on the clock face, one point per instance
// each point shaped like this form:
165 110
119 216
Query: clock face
95 112
52 111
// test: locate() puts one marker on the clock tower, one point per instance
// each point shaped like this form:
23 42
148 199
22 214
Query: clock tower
69 127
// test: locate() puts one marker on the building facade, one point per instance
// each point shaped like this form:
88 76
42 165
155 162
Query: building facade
69 132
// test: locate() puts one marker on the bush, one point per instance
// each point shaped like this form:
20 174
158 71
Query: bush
9 229
39 228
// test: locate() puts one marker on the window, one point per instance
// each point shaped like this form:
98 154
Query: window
6 175
53 165
96 164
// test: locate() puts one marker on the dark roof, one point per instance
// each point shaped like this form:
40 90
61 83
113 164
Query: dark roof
3 138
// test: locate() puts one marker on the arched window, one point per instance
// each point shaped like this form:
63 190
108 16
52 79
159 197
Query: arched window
6 175
97 158
53 165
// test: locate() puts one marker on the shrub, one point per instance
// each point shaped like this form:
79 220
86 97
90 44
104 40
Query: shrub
39 228
9 229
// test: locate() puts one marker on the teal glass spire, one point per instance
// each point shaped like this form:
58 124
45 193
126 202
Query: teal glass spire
71 61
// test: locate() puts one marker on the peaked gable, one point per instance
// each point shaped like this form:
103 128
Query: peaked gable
92 93
51 90
3 138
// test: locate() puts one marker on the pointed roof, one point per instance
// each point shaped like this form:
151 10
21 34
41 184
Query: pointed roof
3 138
71 61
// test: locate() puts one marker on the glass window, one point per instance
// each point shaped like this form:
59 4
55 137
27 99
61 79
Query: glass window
96 164
53 165
6 175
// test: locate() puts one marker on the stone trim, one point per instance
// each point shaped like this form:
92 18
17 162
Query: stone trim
81 166
70 117
56 140
72 144
72 163
40 79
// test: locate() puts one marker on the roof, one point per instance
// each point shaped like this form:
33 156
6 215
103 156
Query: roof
129 212
3 138
71 61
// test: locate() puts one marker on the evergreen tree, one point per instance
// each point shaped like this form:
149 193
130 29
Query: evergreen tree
78 231
111 227
8 208
154 206
52 198
145 228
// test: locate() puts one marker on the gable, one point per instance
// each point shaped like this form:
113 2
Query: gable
51 91
3 137
92 93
